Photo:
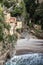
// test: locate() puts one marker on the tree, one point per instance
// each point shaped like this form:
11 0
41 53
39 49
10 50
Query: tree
1 1
5 37
8 3
30 6
19 9
38 15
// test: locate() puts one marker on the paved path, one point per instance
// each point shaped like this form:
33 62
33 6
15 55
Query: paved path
29 45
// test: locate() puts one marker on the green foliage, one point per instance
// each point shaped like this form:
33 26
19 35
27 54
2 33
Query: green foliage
30 6
39 11
38 15
5 38
1 25
1 1
18 30
1 9
7 26
1 32
12 38
1 18
8 3
18 9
